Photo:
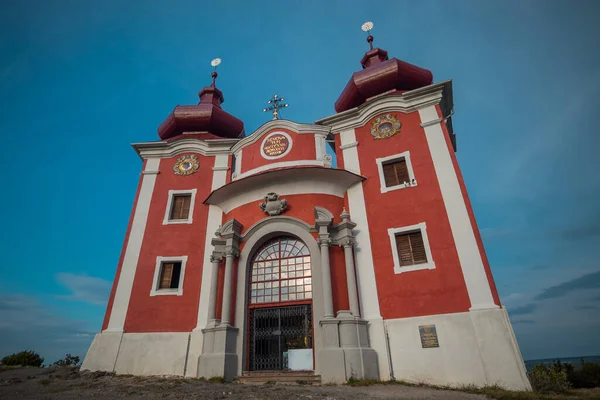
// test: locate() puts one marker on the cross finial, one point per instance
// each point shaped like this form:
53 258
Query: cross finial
215 63
275 106
366 27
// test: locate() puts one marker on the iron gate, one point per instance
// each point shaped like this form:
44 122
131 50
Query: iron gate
273 331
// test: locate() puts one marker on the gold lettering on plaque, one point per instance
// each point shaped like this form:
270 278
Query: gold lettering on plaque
429 336
275 145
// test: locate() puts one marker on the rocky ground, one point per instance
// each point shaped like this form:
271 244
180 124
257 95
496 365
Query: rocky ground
63 383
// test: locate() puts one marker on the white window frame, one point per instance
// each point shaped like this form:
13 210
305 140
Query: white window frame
172 194
411 174
160 260
398 269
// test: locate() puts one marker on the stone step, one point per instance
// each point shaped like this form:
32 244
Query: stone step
280 377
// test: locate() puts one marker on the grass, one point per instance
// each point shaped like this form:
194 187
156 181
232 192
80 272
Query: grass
494 392
44 382
216 379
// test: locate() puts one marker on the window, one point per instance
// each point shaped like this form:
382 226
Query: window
395 172
180 207
168 276
410 248
281 272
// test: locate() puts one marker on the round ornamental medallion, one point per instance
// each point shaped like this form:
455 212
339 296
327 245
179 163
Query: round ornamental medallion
186 165
276 145
385 127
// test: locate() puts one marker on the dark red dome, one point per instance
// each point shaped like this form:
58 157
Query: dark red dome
381 75
207 116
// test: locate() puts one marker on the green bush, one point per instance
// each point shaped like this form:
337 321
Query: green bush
549 380
586 377
68 360
25 358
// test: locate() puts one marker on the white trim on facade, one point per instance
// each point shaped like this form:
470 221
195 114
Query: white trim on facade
285 153
396 157
471 262
392 232
172 193
348 146
284 164
132 251
320 145
160 260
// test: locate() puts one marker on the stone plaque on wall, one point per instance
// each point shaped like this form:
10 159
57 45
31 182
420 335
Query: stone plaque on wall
428 336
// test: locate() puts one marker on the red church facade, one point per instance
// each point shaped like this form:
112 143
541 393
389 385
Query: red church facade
253 253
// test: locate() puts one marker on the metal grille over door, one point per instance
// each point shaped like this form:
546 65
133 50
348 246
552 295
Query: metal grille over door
274 331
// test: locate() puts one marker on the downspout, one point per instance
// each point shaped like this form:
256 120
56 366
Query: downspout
389 352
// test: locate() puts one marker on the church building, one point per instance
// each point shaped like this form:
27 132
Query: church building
249 255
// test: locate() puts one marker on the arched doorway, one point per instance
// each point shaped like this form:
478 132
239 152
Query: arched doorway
280 334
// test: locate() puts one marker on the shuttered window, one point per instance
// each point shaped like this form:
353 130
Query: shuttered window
395 172
169 275
411 248
180 208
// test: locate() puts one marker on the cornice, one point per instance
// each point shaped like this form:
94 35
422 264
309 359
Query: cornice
405 102
280 124
186 145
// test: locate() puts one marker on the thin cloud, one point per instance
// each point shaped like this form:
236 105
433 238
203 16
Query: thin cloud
585 307
583 231
588 281
26 324
84 288
523 310
523 321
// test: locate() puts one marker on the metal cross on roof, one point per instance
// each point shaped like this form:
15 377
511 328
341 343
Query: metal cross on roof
275 106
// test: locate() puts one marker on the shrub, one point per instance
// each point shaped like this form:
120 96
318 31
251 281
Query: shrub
68 360
588 376
25 358
549 380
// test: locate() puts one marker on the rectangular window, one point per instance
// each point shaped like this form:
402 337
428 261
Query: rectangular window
395 172
411 248
169 275
181 206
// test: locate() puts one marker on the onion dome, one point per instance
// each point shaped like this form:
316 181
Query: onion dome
380 75
207 116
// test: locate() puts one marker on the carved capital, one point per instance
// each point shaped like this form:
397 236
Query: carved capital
216 258
232 253
324 241
347 242
273 204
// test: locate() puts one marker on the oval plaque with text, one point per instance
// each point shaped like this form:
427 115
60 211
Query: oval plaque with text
275 145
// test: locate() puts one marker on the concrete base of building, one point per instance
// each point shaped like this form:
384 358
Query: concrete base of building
346 353
476 347
219 357
138 353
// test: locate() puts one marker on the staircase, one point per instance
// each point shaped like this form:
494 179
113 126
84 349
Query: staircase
280 377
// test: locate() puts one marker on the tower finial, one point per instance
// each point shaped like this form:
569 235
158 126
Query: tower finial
215 63
366 27
275 106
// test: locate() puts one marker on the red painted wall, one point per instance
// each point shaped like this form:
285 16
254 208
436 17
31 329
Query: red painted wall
303 148
422 292
171 313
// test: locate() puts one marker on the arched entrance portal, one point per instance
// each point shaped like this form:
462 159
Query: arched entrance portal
280 334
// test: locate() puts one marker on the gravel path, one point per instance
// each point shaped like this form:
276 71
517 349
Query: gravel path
63 383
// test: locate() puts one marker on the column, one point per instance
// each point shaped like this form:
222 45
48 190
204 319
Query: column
226 310
327 295
212 300
351 278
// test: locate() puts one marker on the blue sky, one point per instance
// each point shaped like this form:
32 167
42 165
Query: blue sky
80 81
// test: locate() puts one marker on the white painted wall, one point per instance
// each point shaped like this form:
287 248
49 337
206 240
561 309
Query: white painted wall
102 354
152 353
134 245
460 359
471 262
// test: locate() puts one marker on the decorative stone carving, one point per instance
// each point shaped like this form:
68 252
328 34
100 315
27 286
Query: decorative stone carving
186 165
273 204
